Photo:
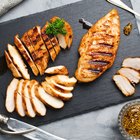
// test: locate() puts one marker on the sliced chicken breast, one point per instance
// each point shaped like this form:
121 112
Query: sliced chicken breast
10 95
64 88
11 66
19 63
37 104
55 44
132 75
57 70
124 85
48 99
64 40
63 80
41 52
48 43
20 106
52 91
133 63
27 99
25 54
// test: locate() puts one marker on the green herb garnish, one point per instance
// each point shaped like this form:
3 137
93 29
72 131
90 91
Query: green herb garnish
56 27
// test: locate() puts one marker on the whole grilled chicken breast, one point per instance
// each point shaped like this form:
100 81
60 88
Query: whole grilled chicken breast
98 47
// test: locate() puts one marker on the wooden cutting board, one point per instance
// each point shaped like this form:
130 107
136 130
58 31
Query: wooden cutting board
87 97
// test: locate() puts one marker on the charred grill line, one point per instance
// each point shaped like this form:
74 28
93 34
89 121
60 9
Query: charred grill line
97 71
100 53
98 62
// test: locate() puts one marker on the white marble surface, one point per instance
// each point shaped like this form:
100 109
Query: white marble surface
96 125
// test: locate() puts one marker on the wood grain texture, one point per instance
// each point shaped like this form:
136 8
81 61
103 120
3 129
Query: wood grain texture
87 97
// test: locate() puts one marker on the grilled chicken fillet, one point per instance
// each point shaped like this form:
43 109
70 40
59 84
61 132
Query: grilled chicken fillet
98 48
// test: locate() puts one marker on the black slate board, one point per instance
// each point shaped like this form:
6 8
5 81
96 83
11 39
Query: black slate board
87 97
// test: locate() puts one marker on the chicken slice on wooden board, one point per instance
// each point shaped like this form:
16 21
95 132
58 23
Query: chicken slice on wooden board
48 43
133 63
25 54
57 70
27 99
10 95
52 91
132 75
20 105
40 48
12 66
63 80
19 63
124 85
37 104
48 99
64 40
99 47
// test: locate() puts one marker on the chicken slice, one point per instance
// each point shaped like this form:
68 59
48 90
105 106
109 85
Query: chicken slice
41 52
20 106
19 63
132 75
64 88
10 94
25 54
64 40
37 104
57 70
133 63
11 65
48 99
124 85
63 80
48 43
27 99
52 91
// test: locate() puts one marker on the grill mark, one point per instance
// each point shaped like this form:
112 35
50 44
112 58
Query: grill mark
98 62
97 71
100 53
105 45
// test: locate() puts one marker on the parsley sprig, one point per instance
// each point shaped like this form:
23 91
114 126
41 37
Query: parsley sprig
56 27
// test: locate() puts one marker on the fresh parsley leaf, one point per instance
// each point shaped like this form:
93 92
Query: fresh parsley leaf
56 27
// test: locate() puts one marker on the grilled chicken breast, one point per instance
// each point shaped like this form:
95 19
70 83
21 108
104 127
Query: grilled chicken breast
18 61
98 48
48 43
12 66
41 52
62 70
124 85
10 95
25 54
